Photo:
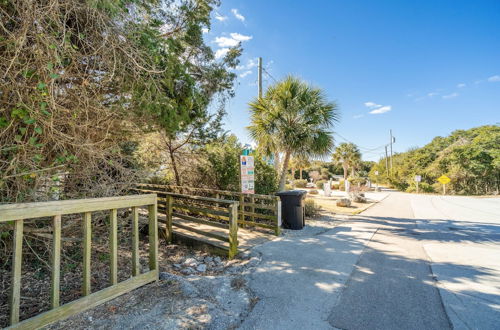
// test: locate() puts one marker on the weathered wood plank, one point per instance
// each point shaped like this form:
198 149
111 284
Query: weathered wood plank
55 261
278 217
87 302
233 231
17 257
200 210
258 215
135 241
153 236
200 198
204 222
87 252
113 247
168 214
48 209
201 232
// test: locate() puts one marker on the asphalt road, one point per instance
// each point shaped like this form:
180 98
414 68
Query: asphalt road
409 262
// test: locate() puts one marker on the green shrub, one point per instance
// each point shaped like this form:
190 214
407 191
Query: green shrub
423 187
342 185
320 183
311 209
288 187
300 183
313 192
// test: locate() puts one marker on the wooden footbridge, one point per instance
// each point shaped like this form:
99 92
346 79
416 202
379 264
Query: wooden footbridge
226 221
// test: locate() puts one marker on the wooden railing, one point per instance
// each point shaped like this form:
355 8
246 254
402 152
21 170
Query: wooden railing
255 210
18 213
212 212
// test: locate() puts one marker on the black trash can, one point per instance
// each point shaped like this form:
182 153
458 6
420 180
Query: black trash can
292 208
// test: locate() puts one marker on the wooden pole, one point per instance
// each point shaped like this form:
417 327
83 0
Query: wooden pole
55 261
87 251
17 256
233 230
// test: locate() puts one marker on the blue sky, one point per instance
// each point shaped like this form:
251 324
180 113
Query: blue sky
422 68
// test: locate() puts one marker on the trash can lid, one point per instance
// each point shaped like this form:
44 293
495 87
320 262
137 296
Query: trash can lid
291 193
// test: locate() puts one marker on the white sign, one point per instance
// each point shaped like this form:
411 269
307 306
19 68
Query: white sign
418 178
247 175
376 172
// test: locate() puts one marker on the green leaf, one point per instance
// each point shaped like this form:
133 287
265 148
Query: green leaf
32 141
38 130
18 138
52 46
29 121
54 76
37 158
41 85
50 66
22 130
3 122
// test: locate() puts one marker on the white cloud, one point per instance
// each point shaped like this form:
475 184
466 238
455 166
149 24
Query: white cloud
358 116
204 30
251 63
234 40
372 105
462 85
432 94
383 109
450 96
237 14
240 37
221 52
221 18
246 73
494 78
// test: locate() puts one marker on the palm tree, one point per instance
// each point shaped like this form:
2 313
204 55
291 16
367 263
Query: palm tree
294 119
348 155
301 162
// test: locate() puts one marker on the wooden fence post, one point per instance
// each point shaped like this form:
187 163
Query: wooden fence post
242 206
87 251
168 213
277 230
233 230
135 242
17 257
55 261
113 247
252 208
153 237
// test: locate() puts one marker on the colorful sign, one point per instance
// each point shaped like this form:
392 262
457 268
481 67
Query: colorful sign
443 179
247 174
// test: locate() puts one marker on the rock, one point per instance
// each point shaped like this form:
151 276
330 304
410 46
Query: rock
208 259
359 199
190 262
217 260
201 268
344 202
177 266
188 271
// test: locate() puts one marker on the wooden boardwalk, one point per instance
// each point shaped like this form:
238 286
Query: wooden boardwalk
247 238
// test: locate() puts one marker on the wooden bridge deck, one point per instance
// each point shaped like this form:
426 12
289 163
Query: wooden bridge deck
247 238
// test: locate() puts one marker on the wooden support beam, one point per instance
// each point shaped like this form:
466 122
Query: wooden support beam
153 237
17 257
87 252
233 230
135 242
113 247
55 261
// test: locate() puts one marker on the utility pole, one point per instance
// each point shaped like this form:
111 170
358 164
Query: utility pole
259 76
386 161
390 132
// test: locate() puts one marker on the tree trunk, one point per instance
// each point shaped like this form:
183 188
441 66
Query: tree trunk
345 171
284 171
300 173
293 173
174 166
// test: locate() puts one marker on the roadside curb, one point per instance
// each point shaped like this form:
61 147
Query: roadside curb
369 206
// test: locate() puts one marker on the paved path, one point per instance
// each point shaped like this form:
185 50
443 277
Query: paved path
379 270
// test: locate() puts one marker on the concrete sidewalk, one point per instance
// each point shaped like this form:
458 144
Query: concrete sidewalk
301 275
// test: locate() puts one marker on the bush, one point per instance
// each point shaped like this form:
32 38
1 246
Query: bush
344 202
357 180
313 192
320 183
311 209
341 185
422 187
288 187
300 183
335 186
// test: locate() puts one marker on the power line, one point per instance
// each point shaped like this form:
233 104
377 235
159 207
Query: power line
263 69
367 150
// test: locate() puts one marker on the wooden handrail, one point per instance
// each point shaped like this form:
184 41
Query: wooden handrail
20 212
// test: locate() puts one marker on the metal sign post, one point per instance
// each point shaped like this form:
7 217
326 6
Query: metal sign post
418 178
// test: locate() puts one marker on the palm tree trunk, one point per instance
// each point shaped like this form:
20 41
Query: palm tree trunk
345 171
284 170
